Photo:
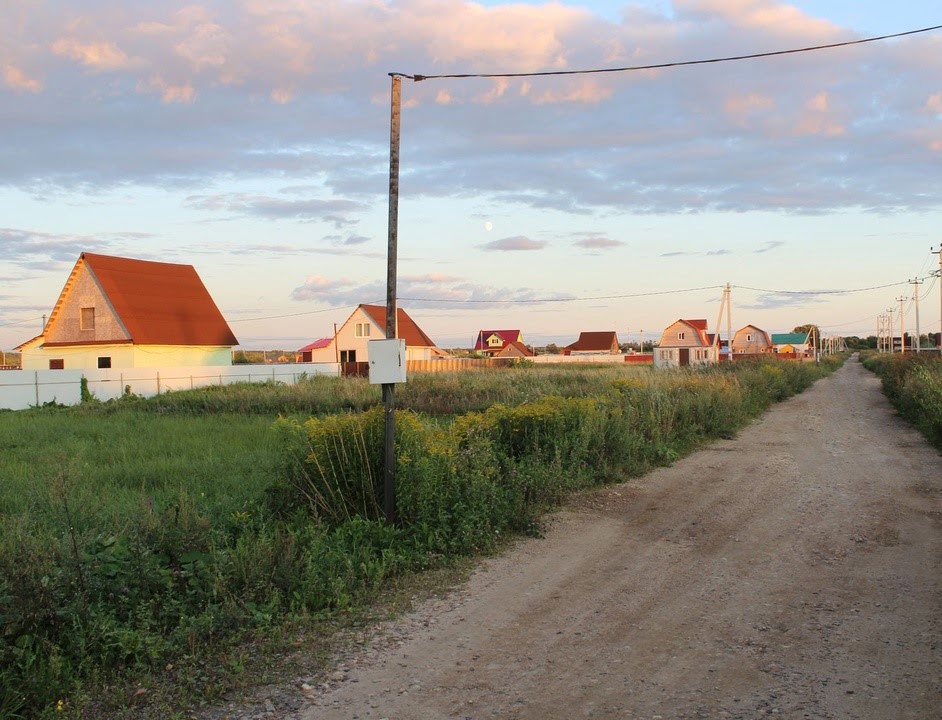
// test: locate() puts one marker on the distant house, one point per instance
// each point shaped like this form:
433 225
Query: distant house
751 340
514 350
594 343
119 312
492 342
306 354
368 322
792 342
686 343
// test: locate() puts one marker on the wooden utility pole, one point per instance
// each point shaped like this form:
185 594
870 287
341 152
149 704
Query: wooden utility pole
939 253
890 328
729 323
902 324
916 284
389 394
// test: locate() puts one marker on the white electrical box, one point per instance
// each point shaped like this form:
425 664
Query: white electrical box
387 361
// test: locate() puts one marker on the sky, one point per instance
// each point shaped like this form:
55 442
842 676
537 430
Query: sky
251 139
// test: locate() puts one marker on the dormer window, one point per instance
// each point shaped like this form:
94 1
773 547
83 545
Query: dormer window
87 318
494 341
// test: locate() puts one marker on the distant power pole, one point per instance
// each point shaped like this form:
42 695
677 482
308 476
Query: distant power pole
916 283
902 324
890 329
939 253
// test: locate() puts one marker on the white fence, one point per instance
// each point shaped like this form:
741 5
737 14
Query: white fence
20 389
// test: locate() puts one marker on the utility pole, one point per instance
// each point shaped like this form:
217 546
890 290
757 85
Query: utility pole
729 322
902 324
916 283
889 327
939 253
389 395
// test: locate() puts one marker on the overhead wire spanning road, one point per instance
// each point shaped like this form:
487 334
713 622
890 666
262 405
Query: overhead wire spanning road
793 571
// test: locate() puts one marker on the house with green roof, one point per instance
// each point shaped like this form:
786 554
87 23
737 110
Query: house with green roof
791 342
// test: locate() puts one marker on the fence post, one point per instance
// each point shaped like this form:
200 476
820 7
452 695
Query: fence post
36 373
158 382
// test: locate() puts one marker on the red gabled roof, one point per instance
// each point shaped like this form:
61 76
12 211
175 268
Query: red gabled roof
407 328
317 345
594 341
508 336
160 303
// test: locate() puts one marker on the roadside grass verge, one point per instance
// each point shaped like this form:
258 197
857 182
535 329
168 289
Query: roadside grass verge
165 543
913 383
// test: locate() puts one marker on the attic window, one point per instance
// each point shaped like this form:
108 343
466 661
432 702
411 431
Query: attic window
363 329
681 335
494 340
748 338
87 318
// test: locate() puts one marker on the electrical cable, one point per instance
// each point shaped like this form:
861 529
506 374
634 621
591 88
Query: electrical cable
659 66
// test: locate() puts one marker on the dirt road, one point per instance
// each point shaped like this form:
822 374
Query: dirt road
793 571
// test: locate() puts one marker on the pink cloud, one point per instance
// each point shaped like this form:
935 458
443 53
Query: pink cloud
16 79
101 56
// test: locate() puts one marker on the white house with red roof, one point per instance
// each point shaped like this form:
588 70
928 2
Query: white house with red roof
119 312
686 343
368 322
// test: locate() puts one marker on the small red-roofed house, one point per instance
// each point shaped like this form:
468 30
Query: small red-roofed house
492 342
686 343
594 343
319 348
122 313
514 350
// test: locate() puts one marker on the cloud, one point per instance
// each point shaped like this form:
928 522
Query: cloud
181 95
102 56
33 250
427 291
511 244
598 242
705 253
335 211
17 79
774 301
769 246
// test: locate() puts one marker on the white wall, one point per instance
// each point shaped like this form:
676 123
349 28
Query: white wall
20 389
541 359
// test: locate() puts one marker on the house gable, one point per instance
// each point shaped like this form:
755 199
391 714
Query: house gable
83 314
407 329
493 340
685 333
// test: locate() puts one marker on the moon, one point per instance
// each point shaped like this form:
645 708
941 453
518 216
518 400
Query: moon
488 225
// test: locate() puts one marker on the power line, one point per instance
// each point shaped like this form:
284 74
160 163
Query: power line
823 292
659 66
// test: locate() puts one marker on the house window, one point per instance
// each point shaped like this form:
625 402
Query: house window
104 363
362 330
494 341
748 338
348 356
681 335
87 318
57 364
